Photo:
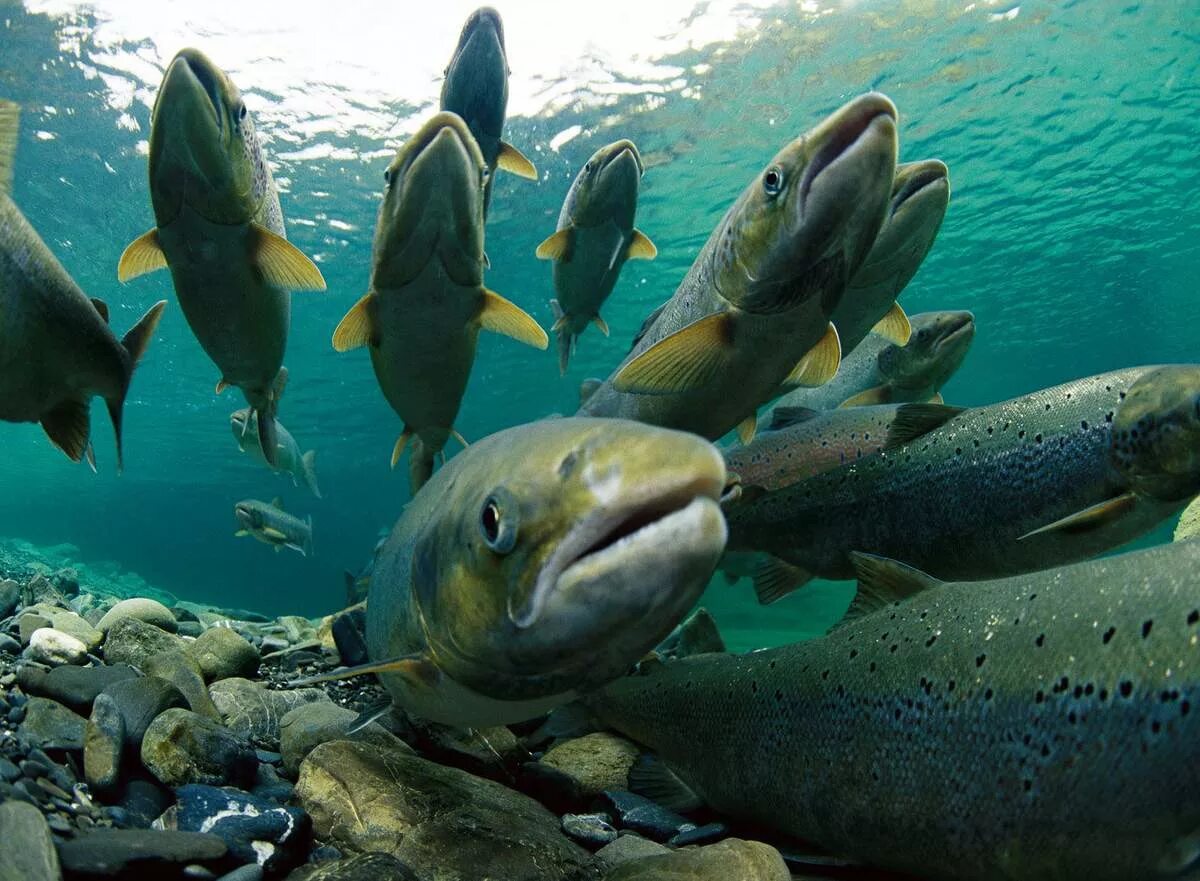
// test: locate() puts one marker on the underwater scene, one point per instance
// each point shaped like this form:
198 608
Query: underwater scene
679 440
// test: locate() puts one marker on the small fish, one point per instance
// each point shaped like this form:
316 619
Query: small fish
219 228
56 348
288 458
426 304
272 525
541 563
1049 478
883 372
595 237
753 313
476 89
1042 727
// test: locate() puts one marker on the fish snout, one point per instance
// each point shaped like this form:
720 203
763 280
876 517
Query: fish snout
1156 433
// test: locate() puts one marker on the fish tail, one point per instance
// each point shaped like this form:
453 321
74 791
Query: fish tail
268 433
308 466
134 343
420 464
565 338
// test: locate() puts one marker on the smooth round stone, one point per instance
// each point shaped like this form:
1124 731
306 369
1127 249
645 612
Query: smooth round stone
182 671
222 653
147 610
103 744
138 853
252 872
596 762
54 648
10 596
254 829
39 615
132 641
306 727
26 849
76 687
590 830
8 645
627 847
50 725
140 701
647 817
184 747
732 858
254 711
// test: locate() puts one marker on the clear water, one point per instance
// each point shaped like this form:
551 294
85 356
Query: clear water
1070 129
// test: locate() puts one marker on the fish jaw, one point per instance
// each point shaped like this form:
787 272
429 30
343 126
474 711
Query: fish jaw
936 349
609 184
476 84
1156 434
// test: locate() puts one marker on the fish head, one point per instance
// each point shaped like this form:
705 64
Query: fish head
242 421
476 83
203 149
433 206
808 221
1156 433
935 350
249 515
553 569
607 185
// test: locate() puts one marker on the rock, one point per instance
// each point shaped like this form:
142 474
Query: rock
308 726
8 771
349 629
39 615
131 641
254 711
183 671
269 785
192 629
441 822
76 687
732 858
705 834
144 799
39 589
483 751
222 653
103 744
10 596
252 872
255 830
363 867
54 648
590 830
297 629
149 611
626 848
140 701
138 853
596 762
184 747
9 645
28 851
643 815
50 725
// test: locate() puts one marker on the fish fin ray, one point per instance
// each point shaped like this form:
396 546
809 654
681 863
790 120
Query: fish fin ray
1092 517
914 420
557 245
686 360
819 364
416 668
775 578
401 443
90 455
651 777
785 417
458 437
894 327
357 327
282 264
640 247
143 255
747 427
601 324
504 317
880 394
373 713
68 425
514 161
937 398
883 582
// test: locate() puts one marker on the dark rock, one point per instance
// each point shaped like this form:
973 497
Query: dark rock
184 747
349 635
59 824
254 711
252 872
269 756
76 687
222 654
306 727
50 725
182 671
255 830
190 628
324 853
488 752
140 702
103 744
26 848
39 589
147 610
643 815
627 847
184 615
732 858
8 771
706 834
8 645
363 867
269 785
130 641
590 830
138 853
10 597
143 800
16 714
556 790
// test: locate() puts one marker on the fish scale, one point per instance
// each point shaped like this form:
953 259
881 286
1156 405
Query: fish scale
983 730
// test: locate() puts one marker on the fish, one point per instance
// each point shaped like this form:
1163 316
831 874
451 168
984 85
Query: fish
270 524
426 302
1044 479
1189 522
920 196
594 238
476 89
753 312
57 350
288 458
538 564
879 371
219 229
1040 727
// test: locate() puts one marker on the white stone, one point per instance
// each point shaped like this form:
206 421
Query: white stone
53 647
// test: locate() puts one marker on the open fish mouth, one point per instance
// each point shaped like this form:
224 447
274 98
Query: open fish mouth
870 117
930 174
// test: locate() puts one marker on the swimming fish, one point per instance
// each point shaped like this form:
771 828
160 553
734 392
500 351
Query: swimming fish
882 372
1042 727
272 525
56 348
540 563
476 88
595 237
920 196
1044 479
753 313
288 458
426 304
219 228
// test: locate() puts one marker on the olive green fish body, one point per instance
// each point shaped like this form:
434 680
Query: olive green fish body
270 524
1041 728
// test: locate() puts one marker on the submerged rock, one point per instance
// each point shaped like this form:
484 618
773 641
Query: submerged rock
182 671
26 848
306 727
222 653
39 615
363 867
184 747
10 597
50 725
254 711
590 830
596 762
730 859
55 648
627 847
76 687
647 817
131 641
140 702
103 744
138 853
147 610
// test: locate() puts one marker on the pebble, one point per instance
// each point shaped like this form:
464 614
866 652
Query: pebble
28 852
252 872
363 867
595 762
131 641
10 596
50 725
140 702
643 815
34 617
706 834
103 744
222 654
9 645
76 687
731 858
590 830
147 610
181 747
253 711
8 771
143 799
306 727
269 785
183 671
627 847
53 647
138 853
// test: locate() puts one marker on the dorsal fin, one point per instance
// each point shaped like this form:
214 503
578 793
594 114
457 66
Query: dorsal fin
882 582
784 417
10 124
914 420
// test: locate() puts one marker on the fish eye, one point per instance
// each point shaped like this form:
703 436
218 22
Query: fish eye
241 110
773 181
387 176
587 167
498 523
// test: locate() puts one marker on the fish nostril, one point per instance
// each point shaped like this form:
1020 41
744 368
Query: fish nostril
567 465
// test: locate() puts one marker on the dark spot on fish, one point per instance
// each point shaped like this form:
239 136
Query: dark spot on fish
853 653
897 713
778 695
1146 629
929 642
979 660
1028 784
987 694
1040 641
958 451
1071 717
1037 438
825 674
1045 750
894 647
1121 395
567 465
1108 635
872 667
1047 408
1078 692
753 686
1103 695
1088 689
1021 434
1032 597
772 665
989 429
1155 727
1084 425
1126 688
1193 616
1108 416
950 685
1184 708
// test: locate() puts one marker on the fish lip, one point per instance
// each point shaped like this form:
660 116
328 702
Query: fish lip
188 63
481 17
627 147
965 329
429 133
932 173
859 119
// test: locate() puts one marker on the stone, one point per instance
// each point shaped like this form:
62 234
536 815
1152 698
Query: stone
143 800
595 762
590 830
140 701
648 817
252 872
628 846
8 645
27 852
103 745
255 830
706 834
50 725
149 611
131 641
183 671
254 711
8 771
54 648
181 747
192 629
76 687
297 629
349 635
269 785
10 597
138 853
307 726
39 589
731 858
362 867
39 615
222 653
441 822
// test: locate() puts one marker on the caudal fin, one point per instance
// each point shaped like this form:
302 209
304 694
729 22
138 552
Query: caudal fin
268 433
308 466
420 464
134 343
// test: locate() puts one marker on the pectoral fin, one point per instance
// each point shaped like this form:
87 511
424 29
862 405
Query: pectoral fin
560 317
820 363
688 359
68 426
273 534
513 161
894 327
557 246
417 669
241 533
784 417
144 254
458 437
881 583
651 777
1101 514
281 263
747 427
775 578
500 316
880 394
937 398
640 247
357 327
601 324
10 123
914 420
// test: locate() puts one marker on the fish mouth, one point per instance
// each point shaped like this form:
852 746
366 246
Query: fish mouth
918 177
962 330
438 138
484 17
622 151
856 128
191 73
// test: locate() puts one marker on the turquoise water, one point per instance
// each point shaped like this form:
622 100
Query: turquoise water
1070 130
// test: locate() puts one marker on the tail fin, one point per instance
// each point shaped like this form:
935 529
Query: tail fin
308 545
562 327
420 464
134 343
308 465
268 434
